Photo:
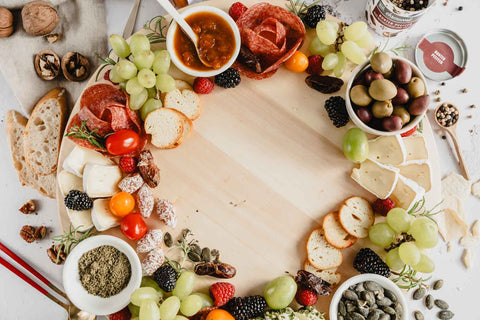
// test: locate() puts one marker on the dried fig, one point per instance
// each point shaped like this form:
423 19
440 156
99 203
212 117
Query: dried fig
75 67
47 65
39 18
6 22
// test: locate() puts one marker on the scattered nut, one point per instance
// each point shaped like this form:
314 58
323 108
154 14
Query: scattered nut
56 254
473 106
437 92
467 258
28 233
47 65
464 90
40 233
6 22
75 66
39 18
438 99
28 207
53 37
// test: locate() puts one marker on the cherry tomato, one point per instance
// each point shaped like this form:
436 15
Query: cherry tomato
122 142
121 204
298 62
133 226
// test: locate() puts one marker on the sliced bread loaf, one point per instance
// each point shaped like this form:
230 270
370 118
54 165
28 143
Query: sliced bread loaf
329 275
335 234
187 127
356 216
320 253
165 126
186 101
44 132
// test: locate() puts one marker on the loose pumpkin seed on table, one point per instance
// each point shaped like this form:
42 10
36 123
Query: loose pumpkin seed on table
445 315
437 285
419 294
429 302
441 304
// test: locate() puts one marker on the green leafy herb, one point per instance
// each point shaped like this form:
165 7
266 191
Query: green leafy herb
107 61
185 245
397 50
419 210
83 133
157 27
67 241
407 279
299 7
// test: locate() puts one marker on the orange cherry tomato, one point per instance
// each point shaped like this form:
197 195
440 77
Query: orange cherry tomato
298 62
219 314
122 204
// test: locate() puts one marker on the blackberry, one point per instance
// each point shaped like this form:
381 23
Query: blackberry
78 201
337 111
367 261
247 307
230 78
166 277
313 15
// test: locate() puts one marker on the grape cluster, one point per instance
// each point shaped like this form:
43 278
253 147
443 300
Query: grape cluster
141 72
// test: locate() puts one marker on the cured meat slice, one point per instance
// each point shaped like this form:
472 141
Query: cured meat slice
94 97
93 122
82 143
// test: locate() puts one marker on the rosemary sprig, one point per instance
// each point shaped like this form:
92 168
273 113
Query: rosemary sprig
185 245
299 7
67 241
397 50
105 62
157 27
419 210
407 279
84 133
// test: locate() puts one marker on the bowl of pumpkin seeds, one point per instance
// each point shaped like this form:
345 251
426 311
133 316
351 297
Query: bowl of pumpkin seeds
368 297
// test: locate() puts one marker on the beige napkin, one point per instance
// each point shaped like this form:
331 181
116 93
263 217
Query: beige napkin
83 28
18 4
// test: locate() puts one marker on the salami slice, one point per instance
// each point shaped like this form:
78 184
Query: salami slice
82 143
93 122
94 97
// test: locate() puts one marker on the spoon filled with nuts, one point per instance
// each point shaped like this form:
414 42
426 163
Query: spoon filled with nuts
446 116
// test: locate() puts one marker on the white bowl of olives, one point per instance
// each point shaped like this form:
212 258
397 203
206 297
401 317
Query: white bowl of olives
387 95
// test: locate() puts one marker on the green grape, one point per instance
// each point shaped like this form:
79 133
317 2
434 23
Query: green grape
152 92
355 145
114 76
144 59
139 42
161 63
138 100
366 41
191 305
280 292
149 310
399 220
409 253
135 318
326 33
425 265
119 46
165 83
133 86
184 286
317 47
122 85
340 67
149 106
126 69
169 308
333 24
353 52
179 317
381 235
393 261
146 78
149 282
330 61
145 293
355 31
425 232
134 310
206 299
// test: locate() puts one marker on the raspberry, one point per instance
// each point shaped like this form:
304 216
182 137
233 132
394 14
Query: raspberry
306 297
222 292
315 64
128 164
123 314
409 132
203 85
382 206
236 10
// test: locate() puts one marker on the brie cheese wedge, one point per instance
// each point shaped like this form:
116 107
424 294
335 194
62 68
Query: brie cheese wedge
102 218
376 178
80 219
406 193
67 181
416 148
79 157
418 171
387 150
101 181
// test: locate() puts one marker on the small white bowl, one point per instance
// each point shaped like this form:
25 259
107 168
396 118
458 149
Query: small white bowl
365 127
384 282
88 302
197 73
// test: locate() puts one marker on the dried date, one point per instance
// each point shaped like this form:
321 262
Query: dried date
311 282
215 269
324 84
148 169
249 59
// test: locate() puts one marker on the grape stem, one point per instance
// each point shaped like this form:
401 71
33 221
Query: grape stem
407 279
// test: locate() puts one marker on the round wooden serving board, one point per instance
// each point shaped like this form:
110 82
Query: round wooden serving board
262 167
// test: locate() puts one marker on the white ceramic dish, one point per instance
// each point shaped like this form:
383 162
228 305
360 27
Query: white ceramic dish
88 302
359 123
196 73
384 282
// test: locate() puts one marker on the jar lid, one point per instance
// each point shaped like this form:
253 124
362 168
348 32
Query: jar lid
441 55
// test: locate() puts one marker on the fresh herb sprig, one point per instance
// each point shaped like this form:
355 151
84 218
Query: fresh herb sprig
67 241
407 279
419 210
157 27
185 245
299 7
84 133
397 50
105 62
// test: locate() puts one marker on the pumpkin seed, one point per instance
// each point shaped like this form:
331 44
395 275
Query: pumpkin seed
429 302
441 304
373 316
356 316
398 309
445 315
384 302
196 248
419 293
418 315
437 285
363 311
340 317
359 288
379 295
389 310
206 255
194 257
390 295
350 306
384 317
341 308
167 239
350 295
371 286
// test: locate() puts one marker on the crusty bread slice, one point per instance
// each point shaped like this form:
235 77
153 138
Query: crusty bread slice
320 253
15 127
335 234
165 126
187 127
356 216
180 85
186 101
329 275
44 132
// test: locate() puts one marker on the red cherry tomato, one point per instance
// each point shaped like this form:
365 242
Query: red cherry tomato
133 226
122 142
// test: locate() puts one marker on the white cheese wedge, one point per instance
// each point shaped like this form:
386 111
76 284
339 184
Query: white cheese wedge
418 171
376 178
416 148
67 181
102 218
80 219
101 181
387 150
407 193
79 157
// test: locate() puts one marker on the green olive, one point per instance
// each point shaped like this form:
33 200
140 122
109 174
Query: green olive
359 96
402 113
416 87
382 90
381 62
382 109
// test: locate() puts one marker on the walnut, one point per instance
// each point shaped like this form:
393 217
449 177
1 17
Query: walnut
40 233
53 37
28 207
28 233
56 254
39 18
75 67
47 65
6 22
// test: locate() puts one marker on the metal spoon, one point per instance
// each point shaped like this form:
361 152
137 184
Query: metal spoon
451 130
184 26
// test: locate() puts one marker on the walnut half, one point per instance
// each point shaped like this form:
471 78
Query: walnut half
47 65
75 66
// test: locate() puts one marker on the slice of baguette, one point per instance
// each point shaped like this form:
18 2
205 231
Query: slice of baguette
329 275
44 132
165 127
187 127
180 85
320 253
15 126
335 234
186 101
356 216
